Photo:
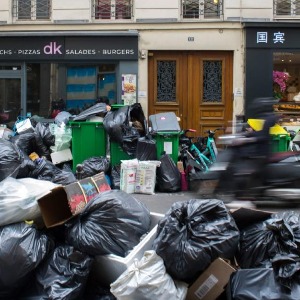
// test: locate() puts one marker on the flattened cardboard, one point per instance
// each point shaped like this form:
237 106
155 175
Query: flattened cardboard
212 282
246 216
61 156
64 202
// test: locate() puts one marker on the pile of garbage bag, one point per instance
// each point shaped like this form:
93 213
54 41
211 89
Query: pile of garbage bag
168 260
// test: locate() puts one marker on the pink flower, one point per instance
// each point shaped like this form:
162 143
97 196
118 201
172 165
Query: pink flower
281 79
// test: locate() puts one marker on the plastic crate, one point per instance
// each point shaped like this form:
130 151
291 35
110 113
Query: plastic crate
167 142
88 140
117 154
280 142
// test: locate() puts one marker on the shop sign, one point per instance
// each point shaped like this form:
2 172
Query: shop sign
69 48
129 89
277 38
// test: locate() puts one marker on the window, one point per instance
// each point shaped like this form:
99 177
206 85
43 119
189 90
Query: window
202 9
112 9
287 7
32 9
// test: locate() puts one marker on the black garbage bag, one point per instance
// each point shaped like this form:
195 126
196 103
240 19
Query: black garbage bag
287 269
193 234
258 284
115 177
62 118
63 275
130 139
94 165
41 149
10 159
22 248
168 177
112 223
46 170
91 111
25 141
260 242
96 292
43 130
113 121
146 148
125 125
27 166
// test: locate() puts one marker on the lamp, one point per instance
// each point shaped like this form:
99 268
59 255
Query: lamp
143 54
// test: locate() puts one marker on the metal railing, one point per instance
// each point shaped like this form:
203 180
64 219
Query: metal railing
201 9
286 8
32 9
112 10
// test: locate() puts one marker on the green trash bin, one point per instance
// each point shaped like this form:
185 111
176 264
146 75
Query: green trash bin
167 142
280 142
88 140
117 154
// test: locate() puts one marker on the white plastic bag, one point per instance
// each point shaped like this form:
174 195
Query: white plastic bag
147 279
18 198
63 137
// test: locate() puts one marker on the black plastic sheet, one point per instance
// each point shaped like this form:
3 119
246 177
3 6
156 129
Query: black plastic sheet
113 222
194 233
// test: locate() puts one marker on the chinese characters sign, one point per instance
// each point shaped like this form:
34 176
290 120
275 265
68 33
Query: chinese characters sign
277 37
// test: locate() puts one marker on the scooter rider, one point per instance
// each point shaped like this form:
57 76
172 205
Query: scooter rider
253 150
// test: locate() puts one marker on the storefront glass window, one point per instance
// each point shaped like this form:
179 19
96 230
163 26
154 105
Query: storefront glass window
55 87
10 95
286 63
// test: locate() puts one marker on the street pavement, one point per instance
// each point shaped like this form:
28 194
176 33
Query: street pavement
162 202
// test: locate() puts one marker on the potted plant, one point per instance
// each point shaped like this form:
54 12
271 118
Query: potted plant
280 80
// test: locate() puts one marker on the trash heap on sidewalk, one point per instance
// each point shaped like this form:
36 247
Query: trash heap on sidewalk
78 232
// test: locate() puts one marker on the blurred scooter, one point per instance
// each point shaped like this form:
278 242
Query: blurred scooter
278 180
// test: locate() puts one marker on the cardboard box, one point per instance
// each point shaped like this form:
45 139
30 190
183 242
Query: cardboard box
107 268
64 202
212 282
61 156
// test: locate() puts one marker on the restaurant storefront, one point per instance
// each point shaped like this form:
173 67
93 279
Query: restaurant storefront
271 47
40 71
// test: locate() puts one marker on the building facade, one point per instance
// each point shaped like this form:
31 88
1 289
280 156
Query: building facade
186 56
